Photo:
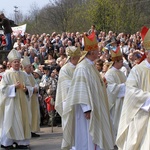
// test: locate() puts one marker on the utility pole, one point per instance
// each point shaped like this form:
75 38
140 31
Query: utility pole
15 10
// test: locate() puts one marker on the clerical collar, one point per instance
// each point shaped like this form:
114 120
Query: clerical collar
89 61
147 63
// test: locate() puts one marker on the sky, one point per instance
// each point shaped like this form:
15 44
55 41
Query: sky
7 6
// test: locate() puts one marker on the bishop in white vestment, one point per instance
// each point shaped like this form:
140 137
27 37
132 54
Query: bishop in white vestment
14 108
134 125
86 116
115 88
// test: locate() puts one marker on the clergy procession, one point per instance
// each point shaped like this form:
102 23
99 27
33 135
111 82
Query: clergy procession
95 86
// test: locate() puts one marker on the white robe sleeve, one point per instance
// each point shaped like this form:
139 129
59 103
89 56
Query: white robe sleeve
30 90
67 88
121 90
11 91
146 105
85 108
64 104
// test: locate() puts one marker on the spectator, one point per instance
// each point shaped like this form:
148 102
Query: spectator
8 65
105 68
110 37
43 87
18 43
126 65
124 48
57 43
93 28
69 43
7 30
99 64
50 60
56 70
36 47
2 70
4 62
62 56
36 62
42 55
51 93
37 75
32 54
3 42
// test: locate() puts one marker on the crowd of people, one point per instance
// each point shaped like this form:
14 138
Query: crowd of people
85 79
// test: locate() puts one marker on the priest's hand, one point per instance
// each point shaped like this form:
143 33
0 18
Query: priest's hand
24 89
17 85
87 114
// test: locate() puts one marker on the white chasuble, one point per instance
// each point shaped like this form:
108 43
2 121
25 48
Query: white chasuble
35 108
14 111
116 91
87 88
134 126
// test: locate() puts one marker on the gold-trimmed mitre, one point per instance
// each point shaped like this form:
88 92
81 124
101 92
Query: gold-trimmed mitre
13 54
25 61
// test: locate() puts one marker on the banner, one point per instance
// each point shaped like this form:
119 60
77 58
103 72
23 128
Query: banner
19 30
